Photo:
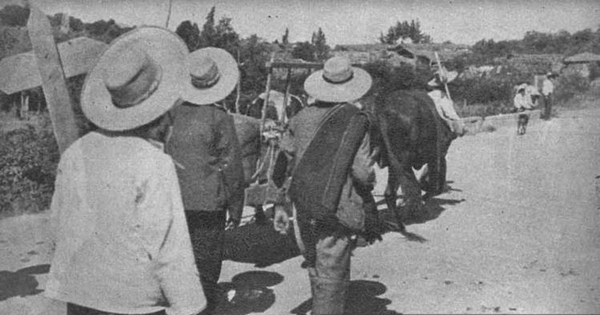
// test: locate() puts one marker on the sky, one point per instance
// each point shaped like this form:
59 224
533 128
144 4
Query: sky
349 21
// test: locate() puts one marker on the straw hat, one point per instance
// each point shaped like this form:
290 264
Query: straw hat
438 79
338 81
212 75
136 80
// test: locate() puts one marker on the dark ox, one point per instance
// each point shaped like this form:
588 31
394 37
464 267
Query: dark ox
409 134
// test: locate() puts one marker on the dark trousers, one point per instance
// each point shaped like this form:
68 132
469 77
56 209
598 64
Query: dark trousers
207 234
74 309
547 110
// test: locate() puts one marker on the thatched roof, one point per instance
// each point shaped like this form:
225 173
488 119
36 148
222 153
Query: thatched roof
582 58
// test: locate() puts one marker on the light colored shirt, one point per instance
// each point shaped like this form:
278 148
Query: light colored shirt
547 87
522 101
443 105
122 242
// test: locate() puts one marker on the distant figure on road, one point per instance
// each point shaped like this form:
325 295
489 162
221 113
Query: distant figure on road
122 243
521 101
548 95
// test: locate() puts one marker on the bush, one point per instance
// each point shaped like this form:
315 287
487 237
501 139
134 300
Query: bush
570 85
28 160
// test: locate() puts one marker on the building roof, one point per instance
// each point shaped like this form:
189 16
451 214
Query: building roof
583 58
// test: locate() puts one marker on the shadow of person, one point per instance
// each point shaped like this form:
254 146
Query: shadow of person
362 299
21 282
249 292
259 244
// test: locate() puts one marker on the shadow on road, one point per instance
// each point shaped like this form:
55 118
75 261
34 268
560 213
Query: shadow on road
21 282
432 209
251 292
362 299
259 244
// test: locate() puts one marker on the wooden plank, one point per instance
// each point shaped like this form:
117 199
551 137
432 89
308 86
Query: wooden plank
60 105
303 65
78 56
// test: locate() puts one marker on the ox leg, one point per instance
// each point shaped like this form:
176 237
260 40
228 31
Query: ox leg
391 193
412 192
259 215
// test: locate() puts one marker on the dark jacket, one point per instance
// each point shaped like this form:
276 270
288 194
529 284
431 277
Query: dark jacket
205 143
333 175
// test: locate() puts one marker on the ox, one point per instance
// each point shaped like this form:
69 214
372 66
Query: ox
409 134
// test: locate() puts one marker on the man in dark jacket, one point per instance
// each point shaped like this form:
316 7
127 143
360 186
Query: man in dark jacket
331 181
211 177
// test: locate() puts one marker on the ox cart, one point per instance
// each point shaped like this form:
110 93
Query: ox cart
260 143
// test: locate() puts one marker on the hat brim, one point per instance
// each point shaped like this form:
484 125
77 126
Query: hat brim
352 90
228 78
167 50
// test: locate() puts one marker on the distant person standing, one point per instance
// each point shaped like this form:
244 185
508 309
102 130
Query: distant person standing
122 243
548 95
205 142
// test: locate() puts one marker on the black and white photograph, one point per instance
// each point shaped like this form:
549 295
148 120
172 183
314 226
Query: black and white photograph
357 157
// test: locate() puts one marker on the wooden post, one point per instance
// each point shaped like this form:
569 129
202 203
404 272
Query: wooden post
263 116
239 86
443 74
60 105
286 96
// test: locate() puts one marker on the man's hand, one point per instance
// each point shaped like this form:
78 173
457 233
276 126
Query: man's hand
281 220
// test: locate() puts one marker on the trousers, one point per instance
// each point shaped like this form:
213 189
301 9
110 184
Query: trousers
207 232
74 309
330 277
547 110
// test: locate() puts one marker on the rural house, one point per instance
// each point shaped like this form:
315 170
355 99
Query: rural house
581 63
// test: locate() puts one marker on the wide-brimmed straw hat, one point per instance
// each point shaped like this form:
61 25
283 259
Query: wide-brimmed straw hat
136 80
439 78
338 81
212 75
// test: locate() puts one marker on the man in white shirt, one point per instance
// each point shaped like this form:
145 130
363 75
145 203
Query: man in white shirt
521 101
548 95
122 243
444 105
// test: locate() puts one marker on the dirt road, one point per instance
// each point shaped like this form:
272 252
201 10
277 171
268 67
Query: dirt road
519 232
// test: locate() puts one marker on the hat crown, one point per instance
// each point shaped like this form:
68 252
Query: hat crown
133 77
204 71
337 70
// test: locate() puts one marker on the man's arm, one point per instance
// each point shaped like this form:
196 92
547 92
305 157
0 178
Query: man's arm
231 167
165 236
362 167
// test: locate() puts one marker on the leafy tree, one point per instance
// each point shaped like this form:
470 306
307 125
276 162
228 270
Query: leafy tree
190 33
320 45
305 51
14 15
285 38
225 36
403 30
207 36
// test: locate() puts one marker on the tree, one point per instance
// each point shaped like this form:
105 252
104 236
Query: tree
320 45
207 35
285 38
225 36
405 30
305 51
14 15
190 34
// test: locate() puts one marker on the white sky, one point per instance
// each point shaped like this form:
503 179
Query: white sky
350 21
